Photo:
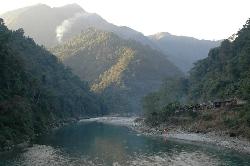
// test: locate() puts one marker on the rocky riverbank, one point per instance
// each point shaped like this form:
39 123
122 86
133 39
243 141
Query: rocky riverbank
177 133
216 138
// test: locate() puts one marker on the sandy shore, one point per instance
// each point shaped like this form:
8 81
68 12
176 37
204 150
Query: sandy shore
218 139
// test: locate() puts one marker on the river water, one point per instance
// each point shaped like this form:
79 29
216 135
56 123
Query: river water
93 143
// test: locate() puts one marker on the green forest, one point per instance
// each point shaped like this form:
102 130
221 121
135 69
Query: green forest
121 71
37 92
224 74
122 83
98 73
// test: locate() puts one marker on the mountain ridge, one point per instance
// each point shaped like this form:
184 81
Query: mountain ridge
115 66
51 18
183 51
57 25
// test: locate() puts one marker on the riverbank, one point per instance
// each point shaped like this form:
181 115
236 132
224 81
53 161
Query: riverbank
22 145
215 138
176 133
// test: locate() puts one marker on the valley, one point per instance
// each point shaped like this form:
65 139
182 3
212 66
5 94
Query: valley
76 88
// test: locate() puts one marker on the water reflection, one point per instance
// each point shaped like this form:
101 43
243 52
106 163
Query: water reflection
110 150
98 144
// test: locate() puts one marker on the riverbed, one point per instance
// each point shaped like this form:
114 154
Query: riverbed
93 142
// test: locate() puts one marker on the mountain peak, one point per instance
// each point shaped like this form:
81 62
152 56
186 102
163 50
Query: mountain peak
72 6
40 5
160 35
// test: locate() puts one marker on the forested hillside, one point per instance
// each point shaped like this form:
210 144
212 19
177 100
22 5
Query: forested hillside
36 90
223 75
225 72
121 70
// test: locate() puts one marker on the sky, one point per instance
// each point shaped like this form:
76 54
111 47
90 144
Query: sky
202 19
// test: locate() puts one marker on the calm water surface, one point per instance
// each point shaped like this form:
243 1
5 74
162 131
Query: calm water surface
92 143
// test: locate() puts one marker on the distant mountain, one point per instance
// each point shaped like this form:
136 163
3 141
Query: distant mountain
40 21
121 70
50 26
36 90
223 76
181 50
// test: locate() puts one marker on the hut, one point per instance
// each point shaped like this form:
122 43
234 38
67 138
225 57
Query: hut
224 103
228 103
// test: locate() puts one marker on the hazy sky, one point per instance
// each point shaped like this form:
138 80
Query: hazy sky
203 19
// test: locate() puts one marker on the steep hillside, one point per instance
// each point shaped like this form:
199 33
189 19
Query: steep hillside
122 70
225 72
36 90
223 75
181 50
50 26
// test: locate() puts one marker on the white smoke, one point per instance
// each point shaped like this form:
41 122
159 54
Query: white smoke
61 29
67 24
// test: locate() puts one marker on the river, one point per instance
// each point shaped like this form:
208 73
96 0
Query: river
93 143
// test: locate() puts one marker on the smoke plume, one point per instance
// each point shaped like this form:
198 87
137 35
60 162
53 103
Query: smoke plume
67 24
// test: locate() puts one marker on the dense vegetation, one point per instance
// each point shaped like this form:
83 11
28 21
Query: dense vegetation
224 74
123 71
172 90
36 90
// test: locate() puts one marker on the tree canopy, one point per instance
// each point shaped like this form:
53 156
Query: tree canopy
36 89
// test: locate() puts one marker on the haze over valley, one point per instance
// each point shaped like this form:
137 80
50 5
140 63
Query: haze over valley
60 24
77 89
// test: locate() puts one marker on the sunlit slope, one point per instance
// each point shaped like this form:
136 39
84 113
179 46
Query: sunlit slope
121 70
